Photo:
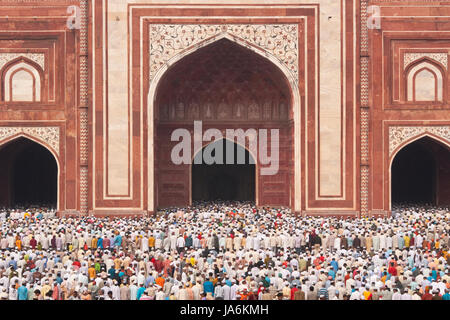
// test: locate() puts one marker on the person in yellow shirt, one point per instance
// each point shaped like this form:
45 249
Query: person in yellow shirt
193 261
18 243
151 242
91 272
117 263
437 244
94 243
367 294
384 277
407 240
45 288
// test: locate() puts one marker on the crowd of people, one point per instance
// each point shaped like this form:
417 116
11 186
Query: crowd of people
225 251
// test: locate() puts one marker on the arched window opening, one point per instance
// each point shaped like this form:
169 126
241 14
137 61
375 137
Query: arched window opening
425 82
22 82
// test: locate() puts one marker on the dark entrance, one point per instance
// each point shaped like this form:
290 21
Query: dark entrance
28 175
416 171
228 182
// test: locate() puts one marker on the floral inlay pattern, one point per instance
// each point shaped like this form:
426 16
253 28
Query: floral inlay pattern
166 41
439 57
49 135
398 135
39 58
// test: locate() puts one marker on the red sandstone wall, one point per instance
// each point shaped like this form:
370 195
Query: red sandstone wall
406 27
41 27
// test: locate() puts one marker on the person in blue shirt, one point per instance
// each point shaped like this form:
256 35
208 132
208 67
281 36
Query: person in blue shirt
188 242
57 259
59 280
266 281
208 286
446 295
100 243
401 242
118 241
335 265
150 280
323 293
140 292
434 274
13 264
332 273
22 292
112 272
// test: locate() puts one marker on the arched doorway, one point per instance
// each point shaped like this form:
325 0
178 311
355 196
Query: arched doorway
222 181
225 86
420 173
28 175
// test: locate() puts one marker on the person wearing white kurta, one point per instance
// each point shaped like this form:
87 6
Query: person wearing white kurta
337 243
196 289
249 243
388 242
115 291
144 244
173 241
233 290
382 241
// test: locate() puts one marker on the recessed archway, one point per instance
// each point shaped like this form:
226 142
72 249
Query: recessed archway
222 180
420 173
28 175
226 86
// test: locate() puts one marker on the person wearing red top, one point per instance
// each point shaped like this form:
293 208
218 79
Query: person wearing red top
77 264
393 263
33 243
158 265
392 270
106 243
293 290
346 278
427 295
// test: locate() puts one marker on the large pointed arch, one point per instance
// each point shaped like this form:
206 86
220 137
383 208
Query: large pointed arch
295 105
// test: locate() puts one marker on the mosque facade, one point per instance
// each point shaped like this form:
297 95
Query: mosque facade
351 86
